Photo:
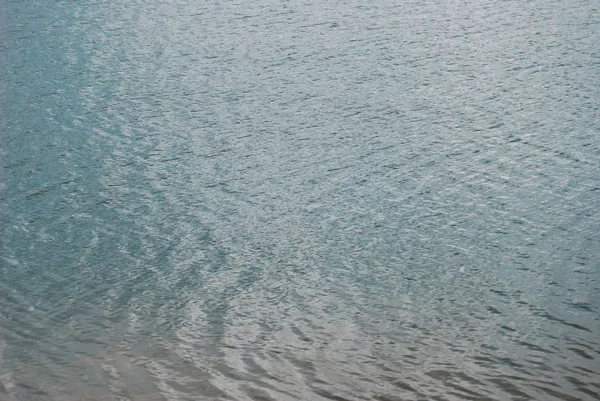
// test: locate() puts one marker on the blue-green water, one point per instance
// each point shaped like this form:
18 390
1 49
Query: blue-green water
277 200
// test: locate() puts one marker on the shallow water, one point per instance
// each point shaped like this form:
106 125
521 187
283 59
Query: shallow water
303 200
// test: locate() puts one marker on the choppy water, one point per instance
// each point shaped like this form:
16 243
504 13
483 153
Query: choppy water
299 200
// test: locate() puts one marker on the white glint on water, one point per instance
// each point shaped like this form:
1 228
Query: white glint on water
11 261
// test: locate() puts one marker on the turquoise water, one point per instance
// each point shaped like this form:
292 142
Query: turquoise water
275 200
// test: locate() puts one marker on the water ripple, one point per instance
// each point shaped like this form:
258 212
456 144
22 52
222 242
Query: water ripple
298 201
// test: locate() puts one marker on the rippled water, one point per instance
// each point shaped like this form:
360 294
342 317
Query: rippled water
277 200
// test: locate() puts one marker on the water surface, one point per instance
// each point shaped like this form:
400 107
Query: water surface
275 200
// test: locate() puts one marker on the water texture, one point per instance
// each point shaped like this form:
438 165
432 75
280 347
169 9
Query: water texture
299 200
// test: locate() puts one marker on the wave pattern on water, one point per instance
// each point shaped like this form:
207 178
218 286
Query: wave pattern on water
299 201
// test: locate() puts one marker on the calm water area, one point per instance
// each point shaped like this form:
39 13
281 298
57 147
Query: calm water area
299 200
